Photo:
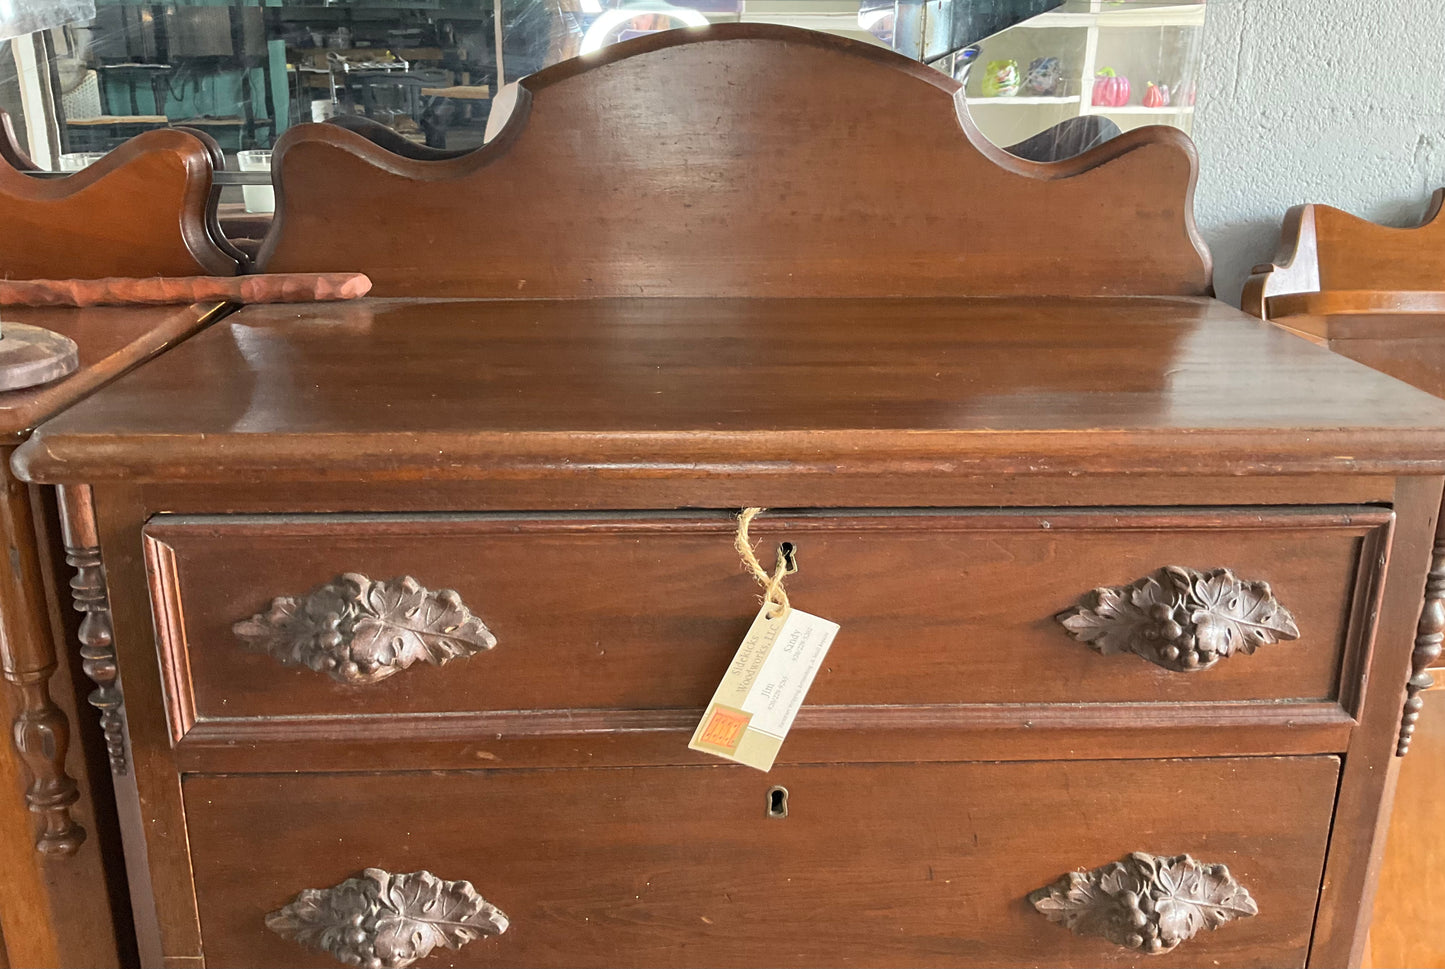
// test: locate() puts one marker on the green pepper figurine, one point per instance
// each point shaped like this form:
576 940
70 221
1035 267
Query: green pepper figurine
1001 79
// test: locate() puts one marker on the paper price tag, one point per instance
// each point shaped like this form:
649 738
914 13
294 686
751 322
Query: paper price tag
764 687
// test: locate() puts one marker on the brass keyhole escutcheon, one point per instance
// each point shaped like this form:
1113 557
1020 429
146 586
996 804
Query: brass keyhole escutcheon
777 802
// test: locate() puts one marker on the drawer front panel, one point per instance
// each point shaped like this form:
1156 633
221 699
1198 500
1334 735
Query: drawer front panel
645 613
873 864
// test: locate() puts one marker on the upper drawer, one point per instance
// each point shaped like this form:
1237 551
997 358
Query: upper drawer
645 612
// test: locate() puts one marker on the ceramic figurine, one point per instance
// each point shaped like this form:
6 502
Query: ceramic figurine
1001 79
1045 77
1156 95
1111 90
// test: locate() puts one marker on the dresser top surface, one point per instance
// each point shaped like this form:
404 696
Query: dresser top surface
397 389
109 339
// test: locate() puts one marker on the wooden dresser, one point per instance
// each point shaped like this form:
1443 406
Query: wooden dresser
142 211
416 601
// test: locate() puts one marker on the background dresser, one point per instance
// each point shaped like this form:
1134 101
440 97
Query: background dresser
417 601
141 211
1376 294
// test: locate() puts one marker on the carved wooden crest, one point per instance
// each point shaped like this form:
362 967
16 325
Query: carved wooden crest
1182 619
1146 902
761 109
362 631
387 921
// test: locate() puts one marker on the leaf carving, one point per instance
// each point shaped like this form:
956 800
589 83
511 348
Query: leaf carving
1181 619
362 631
385 921
1146 902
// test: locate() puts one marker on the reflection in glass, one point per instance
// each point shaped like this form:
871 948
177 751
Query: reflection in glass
1047 78
1104 65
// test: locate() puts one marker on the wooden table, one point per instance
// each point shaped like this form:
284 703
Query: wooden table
107 131
460 92
955 473
104 120
61 857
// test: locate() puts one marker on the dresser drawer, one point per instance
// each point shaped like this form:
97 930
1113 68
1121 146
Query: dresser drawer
872 865
645 612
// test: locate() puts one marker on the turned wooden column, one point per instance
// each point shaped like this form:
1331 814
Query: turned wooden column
87 589
1429 635
40 730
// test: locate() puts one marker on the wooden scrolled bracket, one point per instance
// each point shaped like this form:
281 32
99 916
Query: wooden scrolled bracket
1148 903
1180 618
359 630
88 591
1429 634
378 920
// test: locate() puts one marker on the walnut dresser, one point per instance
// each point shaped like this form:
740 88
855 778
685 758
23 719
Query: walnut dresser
417 600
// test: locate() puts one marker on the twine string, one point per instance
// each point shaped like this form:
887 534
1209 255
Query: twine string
773 594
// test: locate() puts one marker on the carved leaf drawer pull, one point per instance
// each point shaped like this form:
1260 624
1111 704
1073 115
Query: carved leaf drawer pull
1146 902
362 631
1181 619
384 921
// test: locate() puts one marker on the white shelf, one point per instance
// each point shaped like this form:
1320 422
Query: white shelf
1177 15
1138 109
1028 99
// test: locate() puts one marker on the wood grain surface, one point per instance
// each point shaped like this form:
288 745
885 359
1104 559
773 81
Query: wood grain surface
1405 930
142 210
741 160
64 909
112 340
1323 249
606 389
1371 293
874 865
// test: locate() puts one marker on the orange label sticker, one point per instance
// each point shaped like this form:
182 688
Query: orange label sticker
725 728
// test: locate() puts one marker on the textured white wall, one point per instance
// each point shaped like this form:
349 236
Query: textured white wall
1333 101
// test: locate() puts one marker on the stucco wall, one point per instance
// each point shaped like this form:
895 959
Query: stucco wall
1334 101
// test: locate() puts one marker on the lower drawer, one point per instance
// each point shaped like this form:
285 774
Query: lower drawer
673 866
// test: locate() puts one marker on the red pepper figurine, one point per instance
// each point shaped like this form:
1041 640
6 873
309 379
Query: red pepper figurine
1111 90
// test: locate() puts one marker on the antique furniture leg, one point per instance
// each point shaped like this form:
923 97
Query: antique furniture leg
1429 634
40 730
82 551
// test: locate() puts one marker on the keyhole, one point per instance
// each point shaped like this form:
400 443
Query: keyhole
788 556
778 802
